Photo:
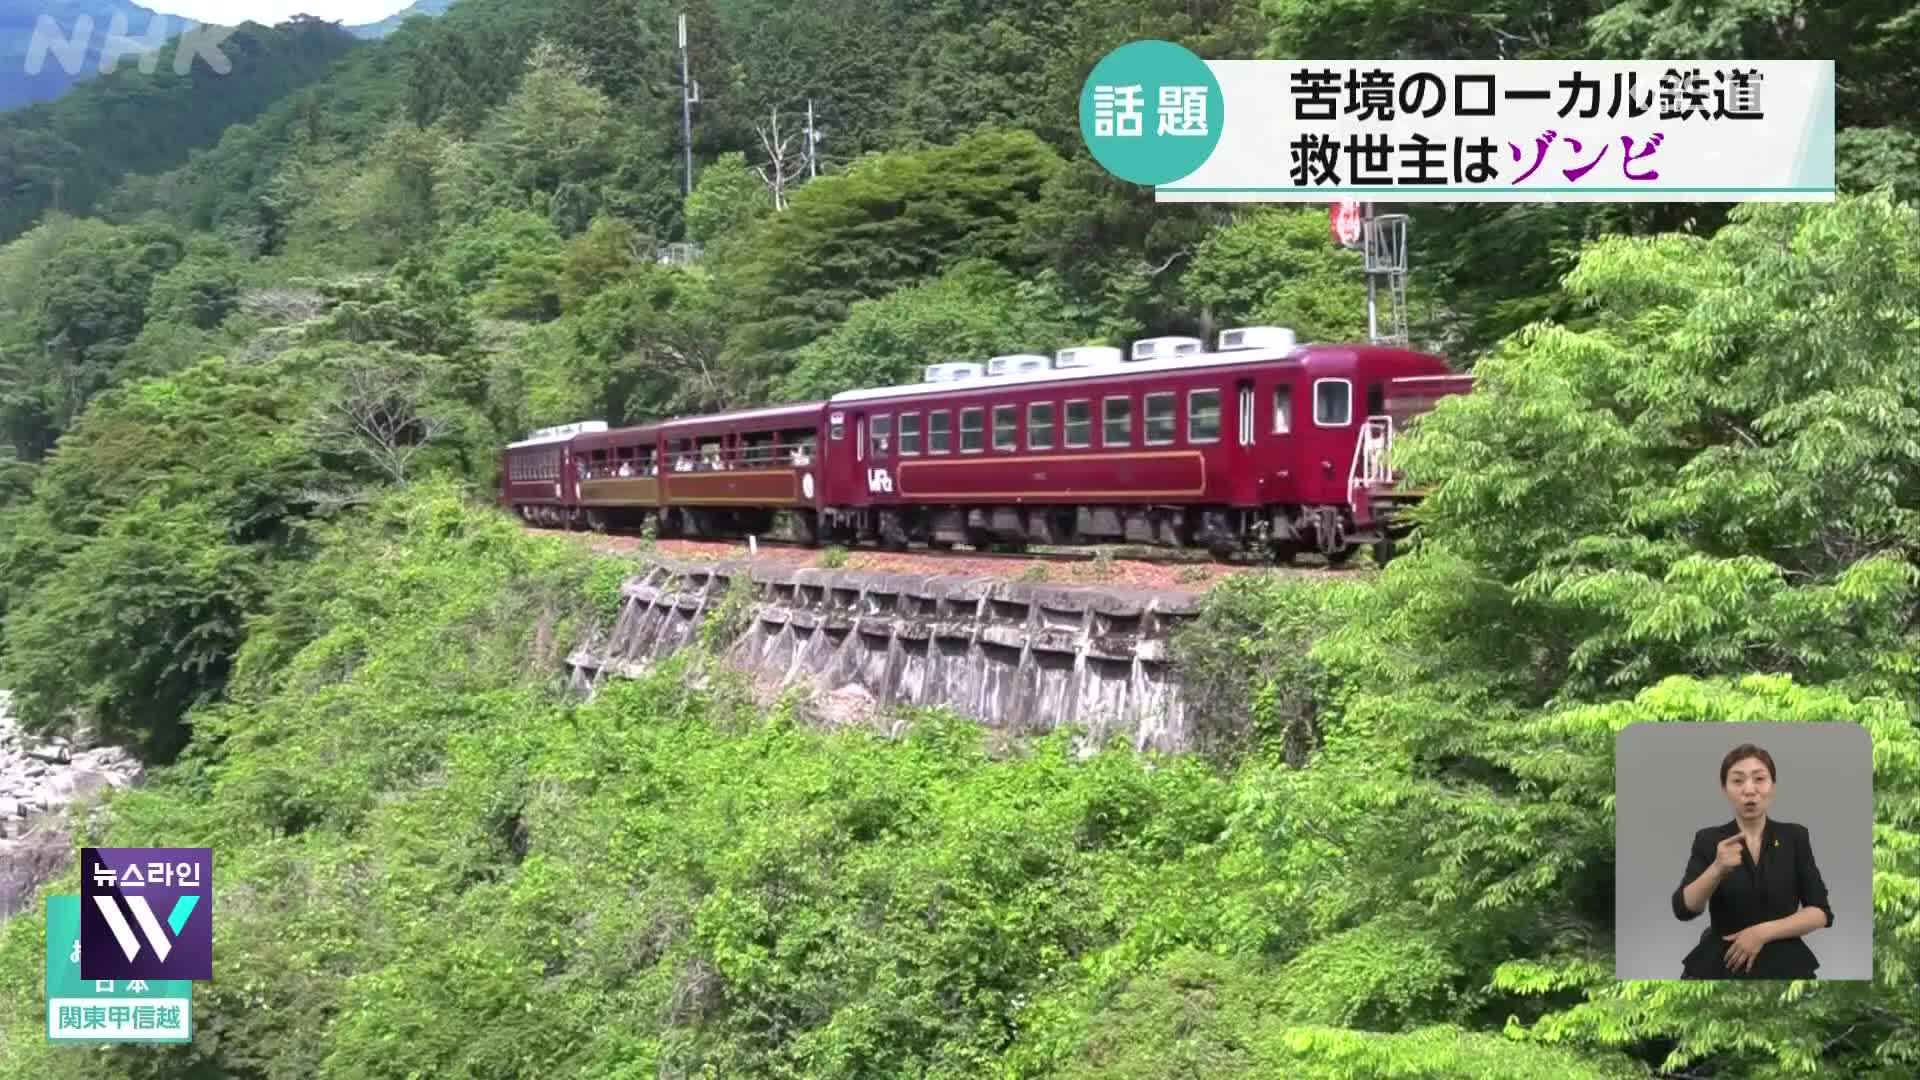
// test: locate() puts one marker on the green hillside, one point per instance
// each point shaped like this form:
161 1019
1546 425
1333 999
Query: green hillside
65 154
1687 488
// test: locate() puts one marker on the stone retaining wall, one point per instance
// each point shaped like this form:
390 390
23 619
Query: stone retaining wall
1020 657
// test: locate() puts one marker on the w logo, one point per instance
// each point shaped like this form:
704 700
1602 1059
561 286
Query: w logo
124 895
143 914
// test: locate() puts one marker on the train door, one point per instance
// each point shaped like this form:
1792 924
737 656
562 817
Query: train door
847 457
1245 479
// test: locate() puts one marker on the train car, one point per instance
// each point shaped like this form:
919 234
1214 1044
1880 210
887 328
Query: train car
538 474
618 477
735 473
1261 442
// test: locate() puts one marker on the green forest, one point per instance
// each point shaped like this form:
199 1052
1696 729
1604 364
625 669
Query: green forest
1686 488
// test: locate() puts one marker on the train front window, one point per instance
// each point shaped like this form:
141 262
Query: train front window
1079 423
939 432
1160 413
1333 403
910 433
973 430
1117 429
1203 416
1040 427
1006 427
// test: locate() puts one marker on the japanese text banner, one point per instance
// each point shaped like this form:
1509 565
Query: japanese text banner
1503 131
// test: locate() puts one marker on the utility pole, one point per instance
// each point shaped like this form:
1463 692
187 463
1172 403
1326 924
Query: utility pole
689 93
1373 278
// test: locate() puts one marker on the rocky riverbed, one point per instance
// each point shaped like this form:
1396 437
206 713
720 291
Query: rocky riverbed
40 778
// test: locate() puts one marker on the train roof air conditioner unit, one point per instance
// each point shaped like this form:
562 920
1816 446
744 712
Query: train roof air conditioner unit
1016 364
1162 348
953 372
1087 356
1257 337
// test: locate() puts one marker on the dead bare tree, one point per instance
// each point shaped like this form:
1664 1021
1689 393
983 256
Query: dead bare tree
380 411
785 158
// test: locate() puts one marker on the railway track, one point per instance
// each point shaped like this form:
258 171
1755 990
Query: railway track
1118 554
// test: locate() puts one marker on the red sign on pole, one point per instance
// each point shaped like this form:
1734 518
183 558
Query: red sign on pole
1346 217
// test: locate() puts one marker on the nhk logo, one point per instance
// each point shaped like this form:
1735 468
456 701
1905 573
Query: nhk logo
125 893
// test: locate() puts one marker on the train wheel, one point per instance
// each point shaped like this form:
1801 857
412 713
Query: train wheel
1340 556
806 528
1384 551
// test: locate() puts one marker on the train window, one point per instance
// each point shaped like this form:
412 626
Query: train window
796 446
1006 427
1117 426
837 427
939 432
1160 418
1376 399
882 432
973 430
1079 423
1040 426
1333 403
1283 408
1203 416
910 433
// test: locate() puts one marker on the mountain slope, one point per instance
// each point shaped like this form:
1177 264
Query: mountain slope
20 86
70 151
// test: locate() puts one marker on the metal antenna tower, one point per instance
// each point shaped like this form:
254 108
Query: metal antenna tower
1386 265
689 94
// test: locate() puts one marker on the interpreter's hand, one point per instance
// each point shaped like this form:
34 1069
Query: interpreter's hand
1727 856
1744 948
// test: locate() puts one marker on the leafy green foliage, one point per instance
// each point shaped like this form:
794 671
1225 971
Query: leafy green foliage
65 154
1278 268
891 220
131 571
974 309
728 196
74 301
1685 491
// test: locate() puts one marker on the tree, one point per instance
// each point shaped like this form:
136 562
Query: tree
546 149
728 196
883 222
199 292
783 156
974 310
1703 506
1279 267
151 534
381 409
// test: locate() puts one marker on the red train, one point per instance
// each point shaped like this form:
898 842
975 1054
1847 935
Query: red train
1262 443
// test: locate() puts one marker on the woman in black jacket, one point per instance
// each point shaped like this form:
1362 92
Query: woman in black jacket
1758 880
